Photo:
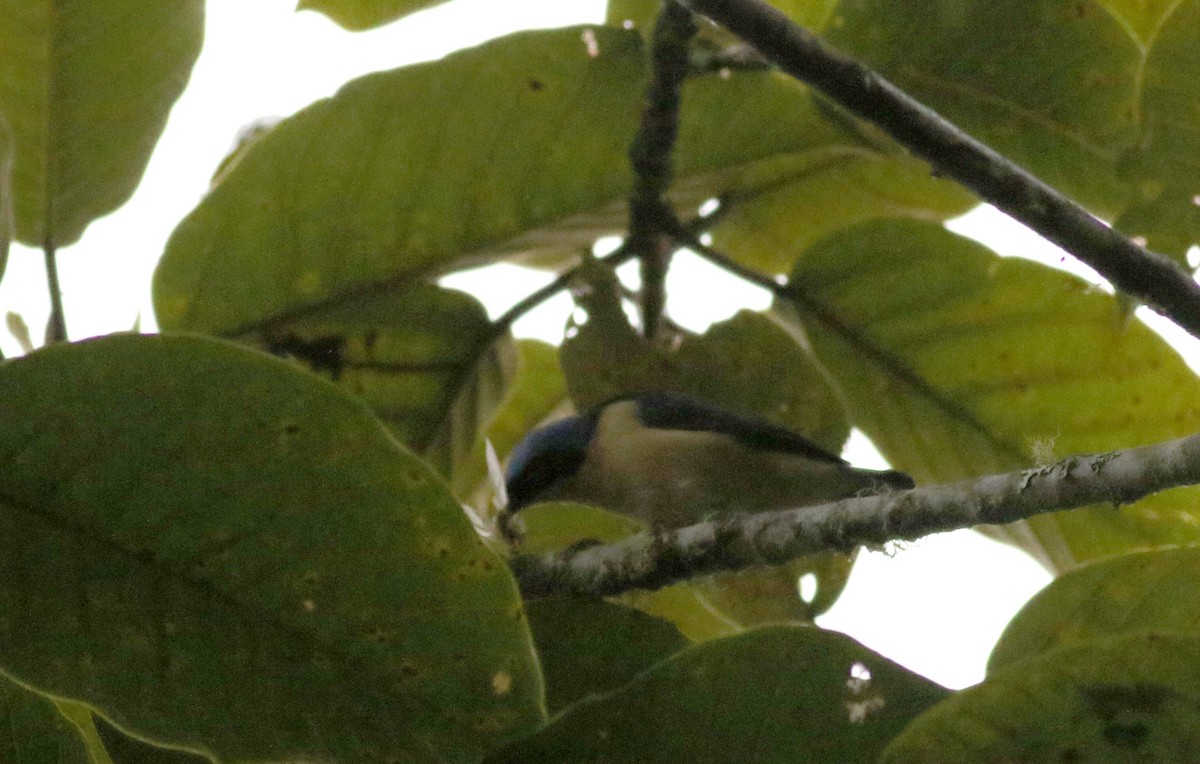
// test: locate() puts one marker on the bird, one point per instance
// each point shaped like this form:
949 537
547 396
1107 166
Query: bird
671 460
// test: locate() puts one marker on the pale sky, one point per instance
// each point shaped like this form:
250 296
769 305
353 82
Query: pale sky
936 606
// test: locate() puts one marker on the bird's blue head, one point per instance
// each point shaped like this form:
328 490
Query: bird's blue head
546 456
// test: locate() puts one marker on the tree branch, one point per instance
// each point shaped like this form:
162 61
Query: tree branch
653 560
650 155
1147 276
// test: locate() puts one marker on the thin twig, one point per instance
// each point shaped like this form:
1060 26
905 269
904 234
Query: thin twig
653 560
505 321
1147 276
650 156
56 326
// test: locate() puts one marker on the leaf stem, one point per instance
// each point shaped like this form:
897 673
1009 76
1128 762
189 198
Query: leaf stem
56 326
1147 276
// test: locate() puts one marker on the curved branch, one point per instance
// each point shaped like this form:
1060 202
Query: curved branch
1147 276
653 560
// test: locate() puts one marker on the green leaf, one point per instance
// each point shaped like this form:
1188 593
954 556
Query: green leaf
769 695
86 89
1143 18
426 360
1168 223
1096 98
825 192
6 193
32 731
755 365
1144 591
357 15
632 14
605 357
590 646
219 552
1132 698
772 595
958 363
129 750
1053 84
541 128
1170 138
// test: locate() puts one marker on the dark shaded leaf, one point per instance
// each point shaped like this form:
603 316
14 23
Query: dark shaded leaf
1132 698
588 646
219 552
769 695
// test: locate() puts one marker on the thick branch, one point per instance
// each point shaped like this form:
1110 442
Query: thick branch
1147 276
651 561
650 155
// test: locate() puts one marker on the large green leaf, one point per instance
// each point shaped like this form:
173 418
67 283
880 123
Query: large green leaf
425 359
1096 97
32 731
85 88
1052 83
958 363
590 646
1148 591
365 14
777 694
1133 698
517 147
217 551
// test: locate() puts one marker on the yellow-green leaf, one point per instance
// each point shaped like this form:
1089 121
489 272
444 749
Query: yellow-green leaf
6 193
538 124
1052 83
1145 591
358 15
85 88
1124 699
825 192
217 551
959 363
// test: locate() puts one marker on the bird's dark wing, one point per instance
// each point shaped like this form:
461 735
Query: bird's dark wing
675 411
